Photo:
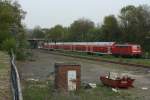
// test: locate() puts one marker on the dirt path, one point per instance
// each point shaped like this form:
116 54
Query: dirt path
43 66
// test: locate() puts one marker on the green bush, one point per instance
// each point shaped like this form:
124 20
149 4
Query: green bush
11 44
8 45
20 54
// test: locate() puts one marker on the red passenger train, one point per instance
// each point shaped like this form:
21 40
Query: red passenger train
111 48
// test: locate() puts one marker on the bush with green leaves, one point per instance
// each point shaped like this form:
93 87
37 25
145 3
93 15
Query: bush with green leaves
9 44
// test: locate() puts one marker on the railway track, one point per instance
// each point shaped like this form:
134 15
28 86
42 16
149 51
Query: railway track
93 58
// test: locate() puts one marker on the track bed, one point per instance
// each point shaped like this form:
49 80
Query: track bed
43 66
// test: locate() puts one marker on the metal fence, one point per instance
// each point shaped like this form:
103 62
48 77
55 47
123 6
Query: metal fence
15 80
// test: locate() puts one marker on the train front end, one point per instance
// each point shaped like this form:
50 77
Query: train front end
136 50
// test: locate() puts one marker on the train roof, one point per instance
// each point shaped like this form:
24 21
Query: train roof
84 43
127 45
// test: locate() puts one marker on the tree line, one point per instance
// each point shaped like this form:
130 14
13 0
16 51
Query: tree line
132 25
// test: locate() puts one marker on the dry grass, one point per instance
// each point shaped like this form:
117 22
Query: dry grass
4 77
45 91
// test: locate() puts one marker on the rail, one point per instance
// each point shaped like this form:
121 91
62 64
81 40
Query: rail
15 80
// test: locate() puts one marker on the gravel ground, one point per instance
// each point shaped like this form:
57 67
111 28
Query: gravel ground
43 66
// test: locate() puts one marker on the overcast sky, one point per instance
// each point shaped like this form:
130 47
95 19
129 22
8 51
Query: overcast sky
47 13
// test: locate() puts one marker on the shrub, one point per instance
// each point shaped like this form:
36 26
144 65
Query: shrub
8 45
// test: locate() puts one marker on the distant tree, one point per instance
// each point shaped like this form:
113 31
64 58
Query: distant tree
95 34
128 22
57 33
146 43
135 24
38 32
66 34
110 29
80 28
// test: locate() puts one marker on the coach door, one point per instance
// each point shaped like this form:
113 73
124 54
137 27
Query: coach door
72 77
109 50
90 48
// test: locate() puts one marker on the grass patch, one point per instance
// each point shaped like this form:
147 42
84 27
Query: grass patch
45 91
129 60
36 91
140 61
5 92
4 62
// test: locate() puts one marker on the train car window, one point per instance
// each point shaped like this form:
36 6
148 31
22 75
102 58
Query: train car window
135 47
138 47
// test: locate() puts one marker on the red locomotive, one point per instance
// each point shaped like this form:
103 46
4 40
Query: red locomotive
97 47
127 50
